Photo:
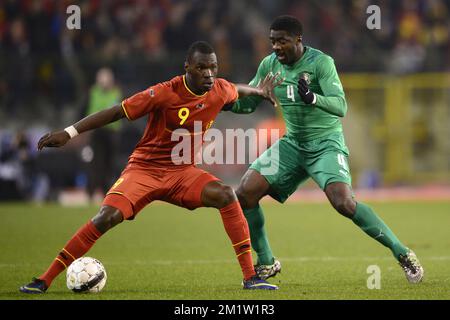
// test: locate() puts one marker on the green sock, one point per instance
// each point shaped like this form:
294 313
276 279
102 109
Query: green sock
260 243
370 223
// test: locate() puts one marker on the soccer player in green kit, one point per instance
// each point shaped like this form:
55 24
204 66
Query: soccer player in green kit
312 101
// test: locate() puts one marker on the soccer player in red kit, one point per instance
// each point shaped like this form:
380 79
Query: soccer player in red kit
151 174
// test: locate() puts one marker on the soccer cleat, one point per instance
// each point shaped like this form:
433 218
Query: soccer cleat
267 271
35 286
256 282
411 265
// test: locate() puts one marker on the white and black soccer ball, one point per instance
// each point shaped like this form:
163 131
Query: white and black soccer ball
86 275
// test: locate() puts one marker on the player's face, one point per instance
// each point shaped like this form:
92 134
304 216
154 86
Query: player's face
202 71
287 47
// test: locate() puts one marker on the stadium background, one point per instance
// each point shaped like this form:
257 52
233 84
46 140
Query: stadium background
397 85
396 79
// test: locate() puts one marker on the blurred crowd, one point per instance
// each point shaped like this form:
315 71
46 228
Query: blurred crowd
48 72
144 41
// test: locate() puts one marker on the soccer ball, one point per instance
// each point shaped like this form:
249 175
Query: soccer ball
86 275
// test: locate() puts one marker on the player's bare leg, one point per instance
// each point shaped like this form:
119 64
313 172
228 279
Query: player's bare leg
107 218
81 242
252 188
216 194
341 198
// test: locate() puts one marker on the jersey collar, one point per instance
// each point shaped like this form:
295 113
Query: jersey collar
189 90
299 61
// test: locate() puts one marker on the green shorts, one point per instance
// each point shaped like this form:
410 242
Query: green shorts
288 163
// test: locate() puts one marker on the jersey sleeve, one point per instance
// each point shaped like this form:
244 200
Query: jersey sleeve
230 92
333 98
144 102
249 104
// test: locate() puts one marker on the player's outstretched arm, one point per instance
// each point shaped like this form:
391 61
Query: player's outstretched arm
264 89
93 121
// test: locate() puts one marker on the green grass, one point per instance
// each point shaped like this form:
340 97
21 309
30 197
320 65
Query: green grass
171 253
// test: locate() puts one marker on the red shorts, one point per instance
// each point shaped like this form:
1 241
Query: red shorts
140 184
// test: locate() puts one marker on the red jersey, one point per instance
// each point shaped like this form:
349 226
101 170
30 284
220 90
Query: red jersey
171 105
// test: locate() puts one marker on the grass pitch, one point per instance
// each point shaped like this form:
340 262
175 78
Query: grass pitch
171 253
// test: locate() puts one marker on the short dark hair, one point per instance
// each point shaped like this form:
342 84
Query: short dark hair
287 23
200 46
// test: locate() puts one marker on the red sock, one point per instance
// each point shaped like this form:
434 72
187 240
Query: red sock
80 243
237 229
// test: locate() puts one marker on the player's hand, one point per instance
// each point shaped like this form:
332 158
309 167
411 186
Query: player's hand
307 95
53 139
268 85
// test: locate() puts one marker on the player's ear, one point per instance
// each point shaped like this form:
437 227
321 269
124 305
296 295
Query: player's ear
300 38
186 66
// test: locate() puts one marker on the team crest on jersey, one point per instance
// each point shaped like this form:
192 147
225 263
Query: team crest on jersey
200 106
306 76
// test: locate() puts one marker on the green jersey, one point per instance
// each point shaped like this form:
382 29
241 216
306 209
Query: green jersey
303 122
